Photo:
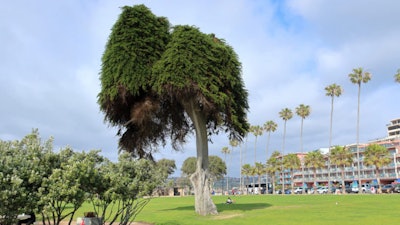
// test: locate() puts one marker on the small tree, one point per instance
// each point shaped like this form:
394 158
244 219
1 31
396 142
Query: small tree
217 168
273 166
259 169
166 167
133 182
246 170
64 191
23 165
378 156
341 157
291 162
314 160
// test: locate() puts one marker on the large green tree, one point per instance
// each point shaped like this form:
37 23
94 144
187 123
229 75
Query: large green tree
285 114
378 156
158 82
341 156
332 91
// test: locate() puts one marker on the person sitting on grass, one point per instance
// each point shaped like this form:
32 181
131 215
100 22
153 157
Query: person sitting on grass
229 201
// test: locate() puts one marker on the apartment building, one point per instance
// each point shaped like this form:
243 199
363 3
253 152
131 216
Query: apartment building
388 173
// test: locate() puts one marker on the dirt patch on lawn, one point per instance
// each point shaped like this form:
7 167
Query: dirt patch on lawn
224 217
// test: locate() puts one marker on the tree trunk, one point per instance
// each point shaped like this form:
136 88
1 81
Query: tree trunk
200 179
315 181
378 179
343 183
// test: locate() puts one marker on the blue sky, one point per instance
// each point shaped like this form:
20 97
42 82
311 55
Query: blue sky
290 51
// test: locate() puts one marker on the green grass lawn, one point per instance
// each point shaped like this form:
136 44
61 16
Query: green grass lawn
271 209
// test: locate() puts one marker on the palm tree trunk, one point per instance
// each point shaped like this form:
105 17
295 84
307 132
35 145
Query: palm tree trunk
301 149
358 136
241 163
329 149
378 178
266 155
315 181
291 181
283 152
343 183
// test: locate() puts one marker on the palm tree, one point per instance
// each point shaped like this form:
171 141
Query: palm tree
246 135
378 156
259 169
314 160
226 151
332 91
303 111
341 157
291 162
357 77
397 76
247 171
257 130
273 165
234 143
286 114
269 126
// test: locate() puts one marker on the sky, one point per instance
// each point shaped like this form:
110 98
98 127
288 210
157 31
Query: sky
290 50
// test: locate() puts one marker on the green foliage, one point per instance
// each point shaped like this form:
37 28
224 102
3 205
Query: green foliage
376 155
137 40
341 156
149 73
217 167
291 161
23 165
33 177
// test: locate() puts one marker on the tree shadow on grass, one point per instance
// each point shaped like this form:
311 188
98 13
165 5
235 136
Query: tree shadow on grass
241 206
221 207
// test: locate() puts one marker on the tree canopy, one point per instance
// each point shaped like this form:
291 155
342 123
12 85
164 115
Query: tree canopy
151 71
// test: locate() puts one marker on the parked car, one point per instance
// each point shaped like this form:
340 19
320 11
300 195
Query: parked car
387 188
287 191
354 189
298 190
365 187
396 188
322 190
